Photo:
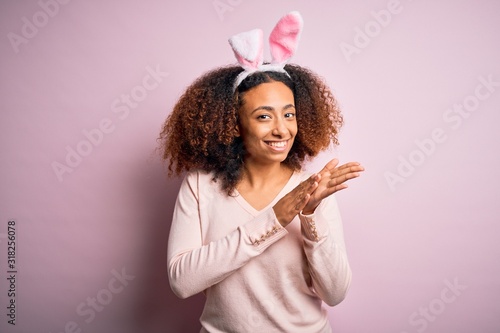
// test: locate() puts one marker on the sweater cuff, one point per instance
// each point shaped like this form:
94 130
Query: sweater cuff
310 229
264 230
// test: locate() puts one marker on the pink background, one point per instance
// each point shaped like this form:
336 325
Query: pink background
409 239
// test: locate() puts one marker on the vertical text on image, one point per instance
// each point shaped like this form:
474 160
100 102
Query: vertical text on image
11 271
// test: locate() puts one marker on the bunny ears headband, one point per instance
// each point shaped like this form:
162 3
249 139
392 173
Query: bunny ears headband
248 47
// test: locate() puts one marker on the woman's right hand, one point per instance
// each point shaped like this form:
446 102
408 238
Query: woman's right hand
294 201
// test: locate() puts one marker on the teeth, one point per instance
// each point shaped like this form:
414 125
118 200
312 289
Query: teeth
279 144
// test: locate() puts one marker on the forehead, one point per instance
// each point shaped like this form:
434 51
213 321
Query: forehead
275 94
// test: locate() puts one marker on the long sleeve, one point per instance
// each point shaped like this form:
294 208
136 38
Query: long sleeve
324 246
194 266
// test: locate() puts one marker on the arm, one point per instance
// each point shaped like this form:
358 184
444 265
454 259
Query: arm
193 266
322 232
324 246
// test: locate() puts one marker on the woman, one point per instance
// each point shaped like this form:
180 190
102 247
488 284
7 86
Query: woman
259 238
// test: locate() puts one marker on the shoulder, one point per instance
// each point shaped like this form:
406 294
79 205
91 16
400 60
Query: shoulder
199 182
198 176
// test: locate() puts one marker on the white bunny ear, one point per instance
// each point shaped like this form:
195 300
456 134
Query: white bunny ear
248 47
285 36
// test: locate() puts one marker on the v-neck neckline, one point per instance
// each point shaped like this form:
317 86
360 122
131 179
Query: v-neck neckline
251 209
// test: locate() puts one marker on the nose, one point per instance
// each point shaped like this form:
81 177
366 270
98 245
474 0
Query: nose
280 128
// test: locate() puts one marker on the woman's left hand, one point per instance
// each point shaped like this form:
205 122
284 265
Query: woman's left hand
332 180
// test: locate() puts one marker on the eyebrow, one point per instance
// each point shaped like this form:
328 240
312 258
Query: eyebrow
270 108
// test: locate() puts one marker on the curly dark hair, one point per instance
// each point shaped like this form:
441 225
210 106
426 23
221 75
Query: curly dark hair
200 133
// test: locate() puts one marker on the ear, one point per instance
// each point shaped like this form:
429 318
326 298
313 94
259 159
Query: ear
285 37
248 47
236 132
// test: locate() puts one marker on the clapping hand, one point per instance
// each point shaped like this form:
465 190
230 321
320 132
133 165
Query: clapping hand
308 194
295 200
332 179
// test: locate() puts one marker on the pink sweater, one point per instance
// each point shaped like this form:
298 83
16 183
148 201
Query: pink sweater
256 275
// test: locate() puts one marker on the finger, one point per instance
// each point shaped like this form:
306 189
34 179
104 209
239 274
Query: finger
312 187
302 202
309 181
302 199
347 170
330 190
309 185
354 166
343 178
349 164
298 193
339 188
330 166
332 170
314 178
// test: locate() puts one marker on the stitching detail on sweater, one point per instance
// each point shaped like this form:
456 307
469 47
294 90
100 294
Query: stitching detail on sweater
268 234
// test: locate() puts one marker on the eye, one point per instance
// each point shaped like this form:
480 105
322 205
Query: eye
290 115
264 116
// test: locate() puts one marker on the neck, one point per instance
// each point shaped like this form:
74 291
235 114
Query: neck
258 176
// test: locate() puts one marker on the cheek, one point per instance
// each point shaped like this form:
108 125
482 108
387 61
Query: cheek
294 129
250 136
258 131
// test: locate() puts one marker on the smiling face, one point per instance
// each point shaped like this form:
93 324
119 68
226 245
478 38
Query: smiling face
267 125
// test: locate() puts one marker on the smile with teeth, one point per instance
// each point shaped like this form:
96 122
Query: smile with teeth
277 144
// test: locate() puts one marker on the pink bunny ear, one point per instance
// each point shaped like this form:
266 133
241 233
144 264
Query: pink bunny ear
248 47
285 37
